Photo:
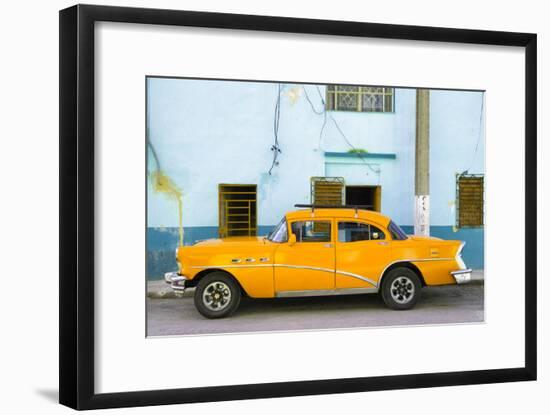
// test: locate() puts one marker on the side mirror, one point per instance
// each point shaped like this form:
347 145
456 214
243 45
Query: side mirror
291 239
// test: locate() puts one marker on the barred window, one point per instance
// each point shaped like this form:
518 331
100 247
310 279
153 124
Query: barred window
469 189
237 210
359 98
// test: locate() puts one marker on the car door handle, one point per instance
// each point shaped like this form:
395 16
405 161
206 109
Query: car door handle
328 245
382 243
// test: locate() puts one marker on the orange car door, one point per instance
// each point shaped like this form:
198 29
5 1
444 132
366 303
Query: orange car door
362 254
308 262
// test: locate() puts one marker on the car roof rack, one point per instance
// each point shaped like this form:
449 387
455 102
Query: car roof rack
314 206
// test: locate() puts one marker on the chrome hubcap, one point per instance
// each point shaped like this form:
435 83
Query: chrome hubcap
216 296
402 290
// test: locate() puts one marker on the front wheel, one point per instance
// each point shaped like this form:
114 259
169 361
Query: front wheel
401 288
217 295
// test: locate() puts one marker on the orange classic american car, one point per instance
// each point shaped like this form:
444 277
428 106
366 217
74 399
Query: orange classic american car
314 252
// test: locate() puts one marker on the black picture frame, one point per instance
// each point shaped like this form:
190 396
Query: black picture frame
77 175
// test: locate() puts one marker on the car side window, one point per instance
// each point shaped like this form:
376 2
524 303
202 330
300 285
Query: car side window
357 231
311 231
376 234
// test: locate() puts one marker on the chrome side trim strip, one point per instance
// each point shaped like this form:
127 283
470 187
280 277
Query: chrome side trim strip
424 259
316 293
303 267
360 277
349 274
230 266
413 260
410 260
317 268
263 265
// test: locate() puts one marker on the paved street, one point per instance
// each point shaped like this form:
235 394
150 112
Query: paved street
437 305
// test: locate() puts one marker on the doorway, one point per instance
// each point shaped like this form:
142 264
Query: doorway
370 196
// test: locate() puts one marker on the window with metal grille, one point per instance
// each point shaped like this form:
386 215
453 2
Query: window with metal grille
469 199
360 98
328 191
237 210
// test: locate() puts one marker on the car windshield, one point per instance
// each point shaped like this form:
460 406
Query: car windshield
279 233
396 232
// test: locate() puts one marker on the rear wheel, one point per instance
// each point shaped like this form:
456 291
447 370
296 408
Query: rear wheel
217 295
401 288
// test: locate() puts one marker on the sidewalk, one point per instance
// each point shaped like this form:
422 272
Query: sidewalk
478 275
160 289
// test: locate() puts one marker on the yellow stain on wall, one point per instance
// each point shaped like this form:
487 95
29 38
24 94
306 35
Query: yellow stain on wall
294 94
164 184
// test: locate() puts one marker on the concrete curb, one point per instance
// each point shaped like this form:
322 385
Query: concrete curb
160 289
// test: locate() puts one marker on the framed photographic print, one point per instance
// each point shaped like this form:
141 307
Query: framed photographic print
258 206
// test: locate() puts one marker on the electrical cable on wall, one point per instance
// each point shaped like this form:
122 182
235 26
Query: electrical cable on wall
478 134
277 116
338 128
323 111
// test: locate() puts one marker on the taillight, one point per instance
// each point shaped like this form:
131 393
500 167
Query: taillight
458 257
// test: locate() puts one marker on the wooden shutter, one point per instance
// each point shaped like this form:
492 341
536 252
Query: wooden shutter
470 200
327 191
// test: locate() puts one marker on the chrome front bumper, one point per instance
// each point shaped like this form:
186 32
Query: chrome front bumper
462 276
176 281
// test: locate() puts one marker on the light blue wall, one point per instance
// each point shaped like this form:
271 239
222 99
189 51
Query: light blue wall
211 132
454 134
196 125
